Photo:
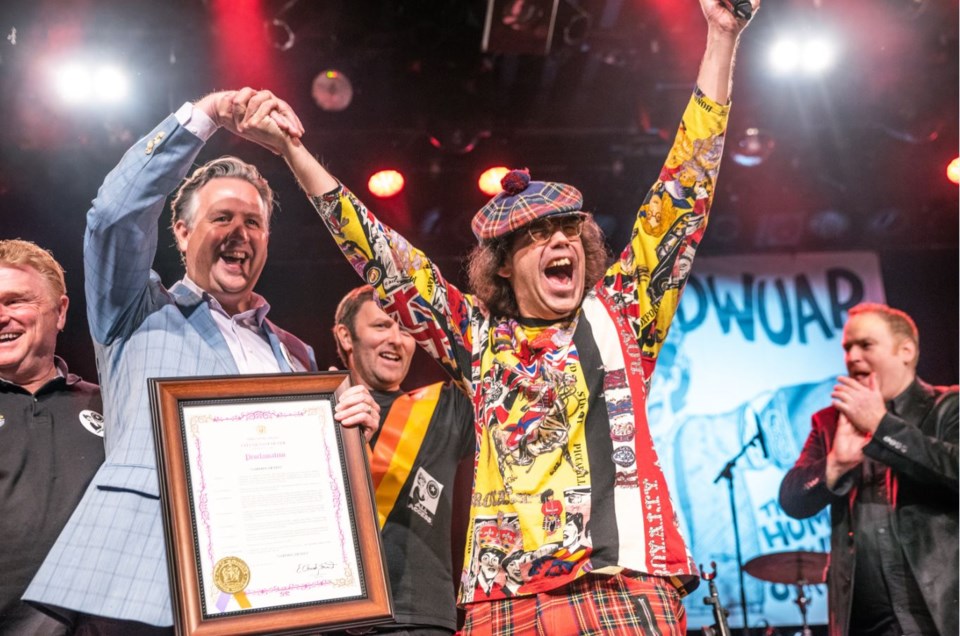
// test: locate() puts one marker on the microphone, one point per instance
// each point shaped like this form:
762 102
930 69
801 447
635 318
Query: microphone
742 9
760 436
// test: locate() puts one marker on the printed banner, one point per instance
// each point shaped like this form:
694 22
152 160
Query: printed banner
756 343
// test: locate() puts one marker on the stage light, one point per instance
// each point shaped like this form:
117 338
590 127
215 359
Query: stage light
332 90
110 84
784 56
817 57
953 170
753 147
385 183
240 48
80 83
807 56
73 83
489 182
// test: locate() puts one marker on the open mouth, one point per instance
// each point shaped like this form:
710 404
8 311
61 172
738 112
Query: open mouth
234 258
559 270
9 337
389 355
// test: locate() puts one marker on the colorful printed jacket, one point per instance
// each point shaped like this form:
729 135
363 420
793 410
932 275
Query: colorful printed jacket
561 407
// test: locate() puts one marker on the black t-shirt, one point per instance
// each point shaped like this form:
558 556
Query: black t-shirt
51 445
416 535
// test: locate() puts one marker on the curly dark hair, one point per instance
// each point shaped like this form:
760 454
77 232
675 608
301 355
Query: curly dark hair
496 292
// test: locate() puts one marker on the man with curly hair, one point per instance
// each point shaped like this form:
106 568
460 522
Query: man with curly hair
557 350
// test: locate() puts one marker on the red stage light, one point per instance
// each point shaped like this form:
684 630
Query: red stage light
489 182
385 183
953 170
242 53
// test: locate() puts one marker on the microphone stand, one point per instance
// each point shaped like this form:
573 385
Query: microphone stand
727 473
802 602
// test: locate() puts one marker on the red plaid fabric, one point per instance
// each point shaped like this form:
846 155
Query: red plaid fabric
505 212
593 605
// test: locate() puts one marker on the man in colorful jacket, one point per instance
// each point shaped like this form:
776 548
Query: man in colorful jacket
557 350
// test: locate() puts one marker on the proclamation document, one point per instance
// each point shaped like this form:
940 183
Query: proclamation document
273 526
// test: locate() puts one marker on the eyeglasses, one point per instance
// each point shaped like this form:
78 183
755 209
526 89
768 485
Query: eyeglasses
541 231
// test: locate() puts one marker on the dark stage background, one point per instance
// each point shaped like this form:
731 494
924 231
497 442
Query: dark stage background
854 159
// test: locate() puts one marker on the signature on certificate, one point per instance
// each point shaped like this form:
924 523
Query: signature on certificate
315 568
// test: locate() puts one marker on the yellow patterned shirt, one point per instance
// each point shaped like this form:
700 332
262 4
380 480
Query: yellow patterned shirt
567 480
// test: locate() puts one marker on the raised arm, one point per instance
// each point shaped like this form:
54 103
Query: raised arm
411 289
120 242
655 265
813 482
723 32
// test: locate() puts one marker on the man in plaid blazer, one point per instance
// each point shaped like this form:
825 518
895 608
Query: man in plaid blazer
107 573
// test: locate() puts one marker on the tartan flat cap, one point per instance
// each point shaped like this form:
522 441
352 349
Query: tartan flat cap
521 202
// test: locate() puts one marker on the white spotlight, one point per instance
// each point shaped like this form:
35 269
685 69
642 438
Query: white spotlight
84 83
784 56
73 83
110 84
818 56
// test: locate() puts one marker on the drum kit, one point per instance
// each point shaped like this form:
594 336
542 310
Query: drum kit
792 568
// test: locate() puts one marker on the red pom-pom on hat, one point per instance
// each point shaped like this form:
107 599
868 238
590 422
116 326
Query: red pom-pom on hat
515 181
521 202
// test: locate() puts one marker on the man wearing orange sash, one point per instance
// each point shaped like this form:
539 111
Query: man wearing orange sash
423 435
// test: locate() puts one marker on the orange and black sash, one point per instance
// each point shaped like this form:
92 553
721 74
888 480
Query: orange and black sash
399 442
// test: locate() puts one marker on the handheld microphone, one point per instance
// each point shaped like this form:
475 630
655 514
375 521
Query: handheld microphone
742 9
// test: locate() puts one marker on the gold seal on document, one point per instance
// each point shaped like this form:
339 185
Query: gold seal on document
231 575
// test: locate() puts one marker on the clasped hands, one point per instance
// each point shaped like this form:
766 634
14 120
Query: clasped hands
861 402
861 407
258 116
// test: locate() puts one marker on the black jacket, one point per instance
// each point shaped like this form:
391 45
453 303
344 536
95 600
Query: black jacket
920 446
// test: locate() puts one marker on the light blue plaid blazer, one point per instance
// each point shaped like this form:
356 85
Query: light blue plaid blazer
110 558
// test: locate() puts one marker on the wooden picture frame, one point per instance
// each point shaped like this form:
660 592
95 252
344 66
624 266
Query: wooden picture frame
268 507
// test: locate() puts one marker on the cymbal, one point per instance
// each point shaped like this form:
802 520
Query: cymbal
790 567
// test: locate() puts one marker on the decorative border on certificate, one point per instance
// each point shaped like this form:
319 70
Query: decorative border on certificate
268 507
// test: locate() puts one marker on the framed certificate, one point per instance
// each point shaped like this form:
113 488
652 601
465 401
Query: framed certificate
268 509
